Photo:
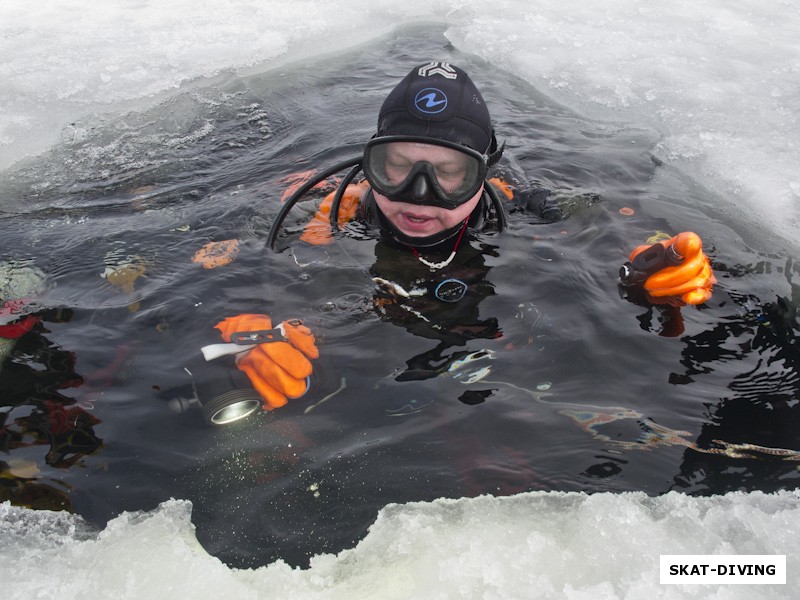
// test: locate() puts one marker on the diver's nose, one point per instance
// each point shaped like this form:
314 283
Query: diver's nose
421 190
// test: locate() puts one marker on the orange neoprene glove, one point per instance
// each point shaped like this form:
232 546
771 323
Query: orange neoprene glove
691 280
277 369
318 230
503 186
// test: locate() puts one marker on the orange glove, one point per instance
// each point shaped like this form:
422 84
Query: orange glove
278 369
318 230
503 186
680 272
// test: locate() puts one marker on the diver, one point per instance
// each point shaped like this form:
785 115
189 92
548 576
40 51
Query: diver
426 194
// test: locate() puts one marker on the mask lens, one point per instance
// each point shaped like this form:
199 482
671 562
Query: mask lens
454 176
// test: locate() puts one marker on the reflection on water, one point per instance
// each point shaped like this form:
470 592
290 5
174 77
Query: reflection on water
36 413
541 378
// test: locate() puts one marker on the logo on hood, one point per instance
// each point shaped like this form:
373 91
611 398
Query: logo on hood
430 101
437 68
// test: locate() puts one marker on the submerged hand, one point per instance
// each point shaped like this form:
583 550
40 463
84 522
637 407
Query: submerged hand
279 368
676 272
318 231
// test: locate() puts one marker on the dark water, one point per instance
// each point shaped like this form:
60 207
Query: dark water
585 390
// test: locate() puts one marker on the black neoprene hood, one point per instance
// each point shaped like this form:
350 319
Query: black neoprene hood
438 100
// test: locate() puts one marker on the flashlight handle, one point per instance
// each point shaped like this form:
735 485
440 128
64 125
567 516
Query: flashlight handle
648 261
214 351
244 341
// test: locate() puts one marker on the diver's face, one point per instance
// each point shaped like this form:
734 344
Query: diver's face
422 220
450 166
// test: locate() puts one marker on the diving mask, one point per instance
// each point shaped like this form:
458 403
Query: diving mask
423 170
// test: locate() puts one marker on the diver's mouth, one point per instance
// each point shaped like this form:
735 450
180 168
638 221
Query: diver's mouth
416 223
417 218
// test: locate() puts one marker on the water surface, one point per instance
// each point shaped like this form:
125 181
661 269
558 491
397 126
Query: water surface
585 390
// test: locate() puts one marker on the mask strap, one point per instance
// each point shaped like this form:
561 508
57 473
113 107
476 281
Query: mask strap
494 152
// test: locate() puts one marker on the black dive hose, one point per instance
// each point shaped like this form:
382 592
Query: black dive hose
502 219
337 199
302 191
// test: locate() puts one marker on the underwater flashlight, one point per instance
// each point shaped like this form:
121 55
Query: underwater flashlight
225 395
647 262
230 407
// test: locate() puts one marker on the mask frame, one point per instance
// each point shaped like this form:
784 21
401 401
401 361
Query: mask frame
422 185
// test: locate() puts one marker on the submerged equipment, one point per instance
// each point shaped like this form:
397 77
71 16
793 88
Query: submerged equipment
227 396
676 269
648 262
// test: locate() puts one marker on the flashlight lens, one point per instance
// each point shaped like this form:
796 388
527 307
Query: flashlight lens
234 412
230 407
